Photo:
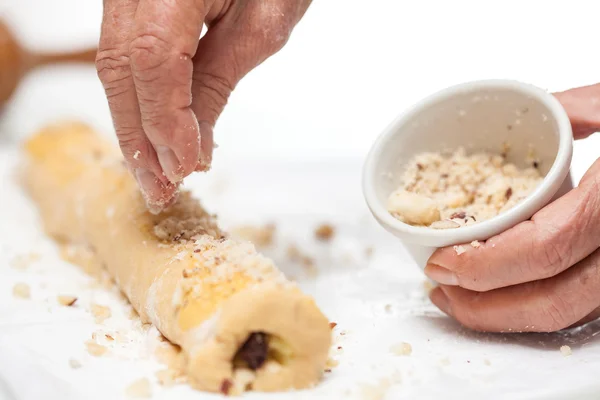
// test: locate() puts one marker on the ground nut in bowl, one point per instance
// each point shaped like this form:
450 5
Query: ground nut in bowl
497 149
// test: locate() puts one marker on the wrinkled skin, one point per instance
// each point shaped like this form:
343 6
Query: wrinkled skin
542 275
166 88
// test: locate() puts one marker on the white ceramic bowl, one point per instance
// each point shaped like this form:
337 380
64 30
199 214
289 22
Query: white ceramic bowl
480 115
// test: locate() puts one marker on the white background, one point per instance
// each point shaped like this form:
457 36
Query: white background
348 69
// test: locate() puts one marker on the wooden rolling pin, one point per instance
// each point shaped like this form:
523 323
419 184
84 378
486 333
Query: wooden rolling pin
16 61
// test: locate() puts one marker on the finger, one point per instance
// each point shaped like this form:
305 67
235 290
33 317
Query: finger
232 47
112 63
558 236
163 42
583 107
542 306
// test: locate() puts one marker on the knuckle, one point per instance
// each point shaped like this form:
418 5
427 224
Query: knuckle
556 314
112 66
148 52
553 256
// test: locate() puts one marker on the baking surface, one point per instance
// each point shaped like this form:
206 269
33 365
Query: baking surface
378 302
291 146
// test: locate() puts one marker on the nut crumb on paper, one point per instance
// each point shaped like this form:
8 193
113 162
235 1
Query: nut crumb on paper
375 391
449 190
402 349
67 301
95 349
73 363
24 261
445 361
100 313
332 325
487 362
21 290
325 232
566 350
139 389
459 250
261 236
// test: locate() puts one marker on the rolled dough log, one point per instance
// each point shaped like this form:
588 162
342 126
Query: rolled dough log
241 324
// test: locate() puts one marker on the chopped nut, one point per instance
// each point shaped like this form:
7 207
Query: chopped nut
109 337
21 291
462 187
332 325
566 350
73 363
100 313
324 232
458 215
459 250
139 389
388 308
331 363
24 261
67 300
95 349
167 377
445 224
476 244
261 236
225 386
402 349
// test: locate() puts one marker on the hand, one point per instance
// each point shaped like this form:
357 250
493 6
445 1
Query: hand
166 87
542 275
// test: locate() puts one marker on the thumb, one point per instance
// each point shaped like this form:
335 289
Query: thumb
232 47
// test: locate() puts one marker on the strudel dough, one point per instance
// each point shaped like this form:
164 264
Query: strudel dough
241 324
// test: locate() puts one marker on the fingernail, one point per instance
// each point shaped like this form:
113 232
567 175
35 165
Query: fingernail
206 147
441 275
169 163
440 300
148 182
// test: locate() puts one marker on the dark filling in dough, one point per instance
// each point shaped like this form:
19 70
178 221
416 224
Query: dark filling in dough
254 351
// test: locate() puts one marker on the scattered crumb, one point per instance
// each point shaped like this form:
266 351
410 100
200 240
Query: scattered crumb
139 389
375 392
136 155
21 290
109 337
95 349
73 363
23 261
260 236
388 308
459 250
476 244
566 350
445 361
332 325
369 251
331 363
487 362
325 232
101 313
67 300
167 377
296 255
402 349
